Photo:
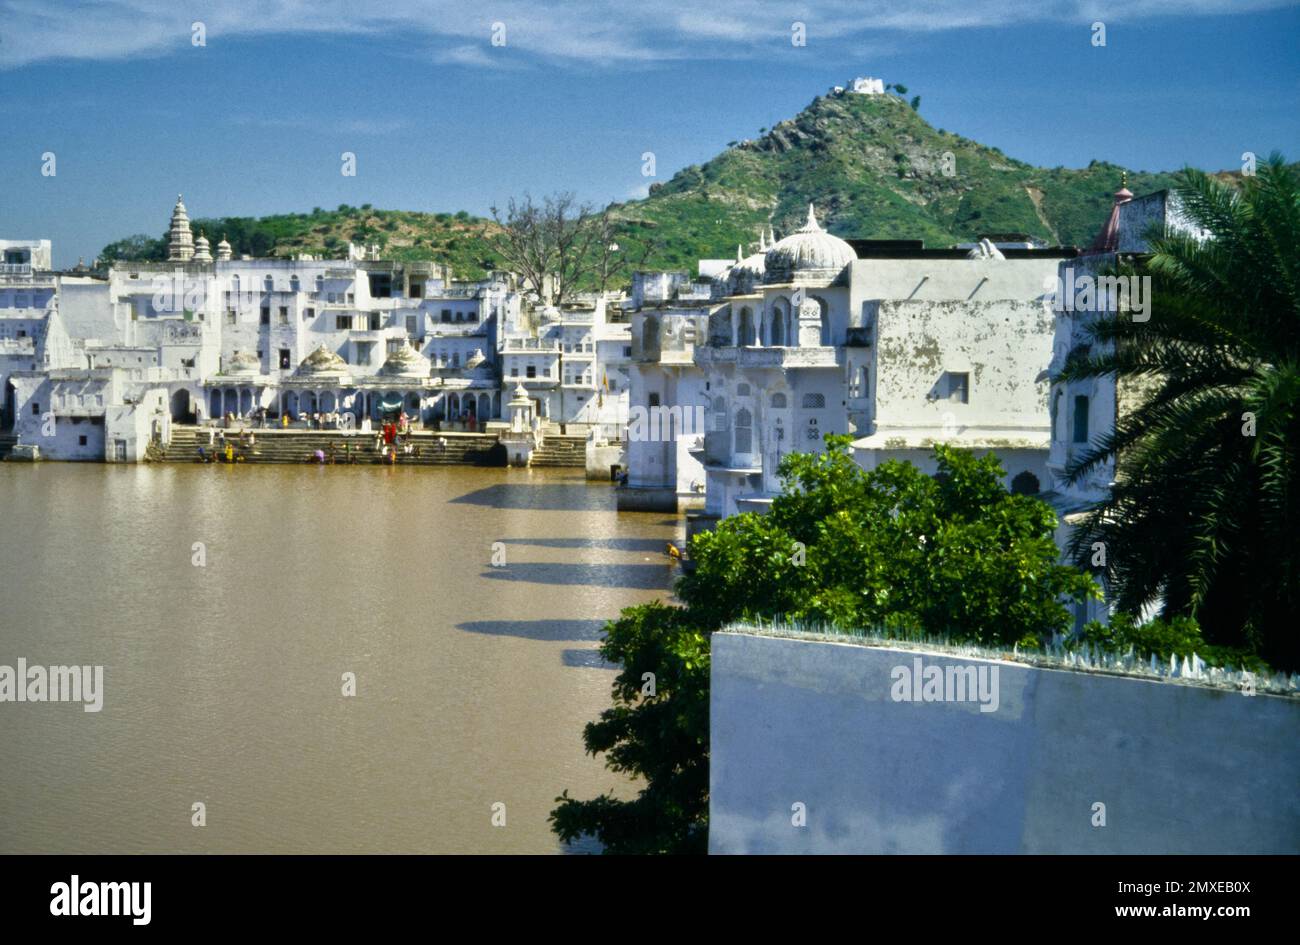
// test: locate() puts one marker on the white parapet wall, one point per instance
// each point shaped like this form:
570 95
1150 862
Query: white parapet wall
815 749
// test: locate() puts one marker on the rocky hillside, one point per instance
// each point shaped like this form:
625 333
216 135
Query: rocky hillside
874 167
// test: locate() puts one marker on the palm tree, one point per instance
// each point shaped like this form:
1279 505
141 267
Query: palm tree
1204 513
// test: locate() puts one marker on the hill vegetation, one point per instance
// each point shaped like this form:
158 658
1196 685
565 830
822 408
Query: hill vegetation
874 167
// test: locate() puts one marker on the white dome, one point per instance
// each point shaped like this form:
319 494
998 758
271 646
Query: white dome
405 360
809 252
748 271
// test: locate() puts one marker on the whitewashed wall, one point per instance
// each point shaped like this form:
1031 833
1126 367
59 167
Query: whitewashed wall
1179 768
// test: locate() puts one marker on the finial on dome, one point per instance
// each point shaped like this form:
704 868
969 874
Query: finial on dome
812 219
771 236
762 240
739 256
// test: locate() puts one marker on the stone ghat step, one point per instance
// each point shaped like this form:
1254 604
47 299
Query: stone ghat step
300 446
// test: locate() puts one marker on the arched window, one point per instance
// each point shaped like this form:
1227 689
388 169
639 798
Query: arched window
294 285
269 284
320 283
455 359
778 401
721 330
825 321
1025 483
814 401
747 336
719 414
777 333
742 390
744 442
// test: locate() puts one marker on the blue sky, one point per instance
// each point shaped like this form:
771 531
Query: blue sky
255 121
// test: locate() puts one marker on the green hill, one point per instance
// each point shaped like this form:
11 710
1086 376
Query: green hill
876 170
873 166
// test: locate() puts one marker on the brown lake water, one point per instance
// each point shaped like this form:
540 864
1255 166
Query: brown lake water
223 682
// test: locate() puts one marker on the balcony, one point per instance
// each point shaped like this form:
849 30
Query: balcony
782 358
718 456
529 345
15 269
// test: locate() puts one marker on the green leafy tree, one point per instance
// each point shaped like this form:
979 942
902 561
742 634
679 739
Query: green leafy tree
951 555
138 248
1205 509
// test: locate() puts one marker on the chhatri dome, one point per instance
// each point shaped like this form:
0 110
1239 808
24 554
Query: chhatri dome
223 250
808 253
747 272
201 251
180 239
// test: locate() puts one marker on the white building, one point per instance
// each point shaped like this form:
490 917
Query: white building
902 348
274 338
669 317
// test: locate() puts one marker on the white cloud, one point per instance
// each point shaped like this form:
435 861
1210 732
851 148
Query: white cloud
609 32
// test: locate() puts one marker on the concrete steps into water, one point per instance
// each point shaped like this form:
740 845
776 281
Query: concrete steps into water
7 443
560 451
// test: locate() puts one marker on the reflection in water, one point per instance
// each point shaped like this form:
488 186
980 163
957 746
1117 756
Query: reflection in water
643 576
223 682
538 629
574 495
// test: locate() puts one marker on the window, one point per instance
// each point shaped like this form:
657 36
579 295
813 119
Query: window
81 440
36 408
343 322
514 371
1081 419
627 351
411 324
374 321
1056 409
531 371
744 431
446 315
471 316
958 387
777 333
455 359
653 399
814 401
294 285
742 390
266 314
778 401
308 313
1025 483
269 283
746 328
284 314
230 317
284 359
